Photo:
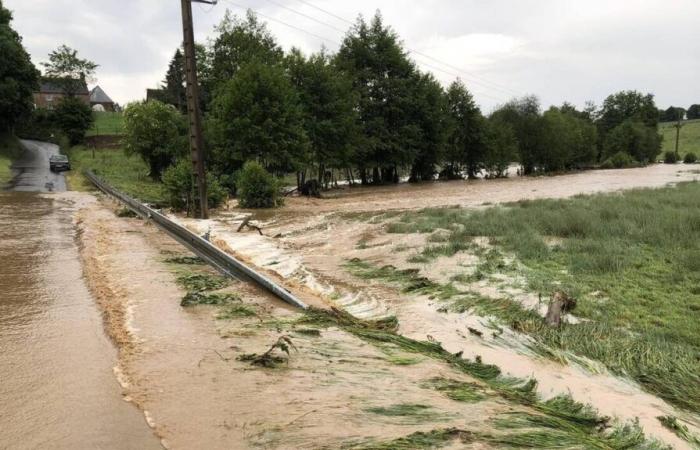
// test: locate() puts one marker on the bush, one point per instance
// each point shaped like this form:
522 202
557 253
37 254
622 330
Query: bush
643 143
74 118
177 180
257 188
690 158
156 132
619 160
670 157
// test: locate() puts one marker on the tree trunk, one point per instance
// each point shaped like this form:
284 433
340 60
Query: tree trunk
559 304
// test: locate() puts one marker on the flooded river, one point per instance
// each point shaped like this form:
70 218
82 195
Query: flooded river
58 388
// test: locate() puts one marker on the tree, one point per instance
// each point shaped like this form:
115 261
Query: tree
74 117
382 75
68 70
239 42
174 83
523 115
178 181
18 76
501 148
328 104
257 187
693 112
155 131
257 115
466 148
628 105
672 114
634 138
430 120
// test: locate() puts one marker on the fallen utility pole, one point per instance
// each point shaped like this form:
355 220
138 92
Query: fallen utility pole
193 111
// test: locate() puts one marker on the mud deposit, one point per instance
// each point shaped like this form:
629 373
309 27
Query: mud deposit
58 388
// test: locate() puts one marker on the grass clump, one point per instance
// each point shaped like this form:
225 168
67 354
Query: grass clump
680 430
277 354
236 311
185 260
407 412
456 390
421 440
198 282
203 298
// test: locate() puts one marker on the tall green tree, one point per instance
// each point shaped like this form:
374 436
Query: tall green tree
628 105
672 114
501 148
18 76
693 112
634 138
523 115
68 70
257 116
466 148
174 83
73 117
238 42
430 122
328 103
156 132
382 75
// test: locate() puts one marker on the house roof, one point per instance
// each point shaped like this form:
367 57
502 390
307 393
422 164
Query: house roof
97 95
48 86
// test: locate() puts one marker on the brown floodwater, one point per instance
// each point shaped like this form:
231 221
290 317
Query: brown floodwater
58 388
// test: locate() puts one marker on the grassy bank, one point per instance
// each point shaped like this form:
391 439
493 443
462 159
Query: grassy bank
689 139
107 123
10 150
129 174
632 260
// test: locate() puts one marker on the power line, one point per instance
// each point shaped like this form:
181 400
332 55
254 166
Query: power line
305 15
284 23
484 81
483 84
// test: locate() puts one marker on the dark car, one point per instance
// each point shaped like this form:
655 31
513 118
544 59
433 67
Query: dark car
58 163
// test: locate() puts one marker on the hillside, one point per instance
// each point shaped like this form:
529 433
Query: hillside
689 139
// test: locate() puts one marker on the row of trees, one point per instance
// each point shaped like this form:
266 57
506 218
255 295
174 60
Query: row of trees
674 113
369 113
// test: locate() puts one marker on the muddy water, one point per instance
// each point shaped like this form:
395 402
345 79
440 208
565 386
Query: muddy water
58 388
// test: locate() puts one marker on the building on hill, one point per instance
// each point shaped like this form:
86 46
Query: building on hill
51 92
100 101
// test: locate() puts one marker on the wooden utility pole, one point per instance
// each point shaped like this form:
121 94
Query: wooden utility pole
678 131
193 112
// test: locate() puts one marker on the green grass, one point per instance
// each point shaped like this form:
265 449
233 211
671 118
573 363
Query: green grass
107 123
639 252
689 138
10 150
127 173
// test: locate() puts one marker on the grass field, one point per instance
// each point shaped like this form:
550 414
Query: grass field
632 260
689 139
9 150
129 174
107 123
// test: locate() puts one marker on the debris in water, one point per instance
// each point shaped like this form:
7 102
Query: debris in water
269 359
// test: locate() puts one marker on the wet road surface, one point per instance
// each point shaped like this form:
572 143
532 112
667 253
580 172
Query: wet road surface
58 387
33 172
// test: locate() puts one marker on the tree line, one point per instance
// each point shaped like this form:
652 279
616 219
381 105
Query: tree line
368 114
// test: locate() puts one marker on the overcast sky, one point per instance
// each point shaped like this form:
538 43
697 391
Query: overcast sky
573 50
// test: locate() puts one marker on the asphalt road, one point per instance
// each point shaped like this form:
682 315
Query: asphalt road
33 173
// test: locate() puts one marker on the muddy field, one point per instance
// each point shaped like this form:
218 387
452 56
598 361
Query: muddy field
185 367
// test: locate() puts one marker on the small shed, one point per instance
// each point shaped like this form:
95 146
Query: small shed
100 101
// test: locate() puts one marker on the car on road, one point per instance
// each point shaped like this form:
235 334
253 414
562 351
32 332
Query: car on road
58 163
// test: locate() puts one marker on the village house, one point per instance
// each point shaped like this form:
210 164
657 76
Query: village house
100 101
50 93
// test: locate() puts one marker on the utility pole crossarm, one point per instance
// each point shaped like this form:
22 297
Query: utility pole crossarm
208 2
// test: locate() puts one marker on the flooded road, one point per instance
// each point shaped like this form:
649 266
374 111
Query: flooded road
58 388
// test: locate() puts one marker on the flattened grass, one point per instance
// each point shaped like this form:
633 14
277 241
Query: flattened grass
632 260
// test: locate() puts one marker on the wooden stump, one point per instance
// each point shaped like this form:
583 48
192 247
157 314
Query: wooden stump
559 305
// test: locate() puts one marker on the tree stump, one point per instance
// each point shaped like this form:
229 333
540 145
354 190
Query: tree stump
559 305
